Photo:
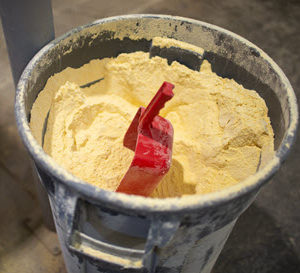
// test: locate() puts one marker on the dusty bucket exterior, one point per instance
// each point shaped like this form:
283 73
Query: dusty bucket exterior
101 231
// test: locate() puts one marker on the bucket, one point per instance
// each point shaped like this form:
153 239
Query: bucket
102 231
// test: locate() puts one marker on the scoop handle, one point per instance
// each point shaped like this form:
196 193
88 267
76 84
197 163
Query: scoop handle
164 94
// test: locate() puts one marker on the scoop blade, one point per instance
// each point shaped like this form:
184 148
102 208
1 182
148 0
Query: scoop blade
151 137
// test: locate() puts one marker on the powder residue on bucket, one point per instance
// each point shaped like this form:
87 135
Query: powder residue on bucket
222 132
167 42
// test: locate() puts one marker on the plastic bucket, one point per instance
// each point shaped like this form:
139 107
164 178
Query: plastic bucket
101 231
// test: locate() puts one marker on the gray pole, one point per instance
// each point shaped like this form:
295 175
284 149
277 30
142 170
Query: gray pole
27 26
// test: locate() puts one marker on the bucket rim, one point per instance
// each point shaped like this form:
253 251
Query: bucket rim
139 203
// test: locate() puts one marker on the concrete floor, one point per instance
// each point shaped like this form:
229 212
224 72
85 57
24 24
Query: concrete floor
266 239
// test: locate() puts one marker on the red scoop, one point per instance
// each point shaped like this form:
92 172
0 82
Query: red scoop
151 137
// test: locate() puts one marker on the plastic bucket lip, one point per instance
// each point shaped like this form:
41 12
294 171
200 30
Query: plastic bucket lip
138 203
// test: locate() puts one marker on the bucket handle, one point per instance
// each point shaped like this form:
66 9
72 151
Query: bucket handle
161 231
160 234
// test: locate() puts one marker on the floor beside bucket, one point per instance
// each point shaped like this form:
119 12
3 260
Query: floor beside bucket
266 239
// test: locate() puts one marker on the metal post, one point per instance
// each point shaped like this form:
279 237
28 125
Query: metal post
28 26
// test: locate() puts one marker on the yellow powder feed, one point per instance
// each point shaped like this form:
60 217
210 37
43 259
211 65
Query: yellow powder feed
222 131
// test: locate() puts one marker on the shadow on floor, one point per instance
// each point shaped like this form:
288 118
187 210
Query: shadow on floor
257 245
